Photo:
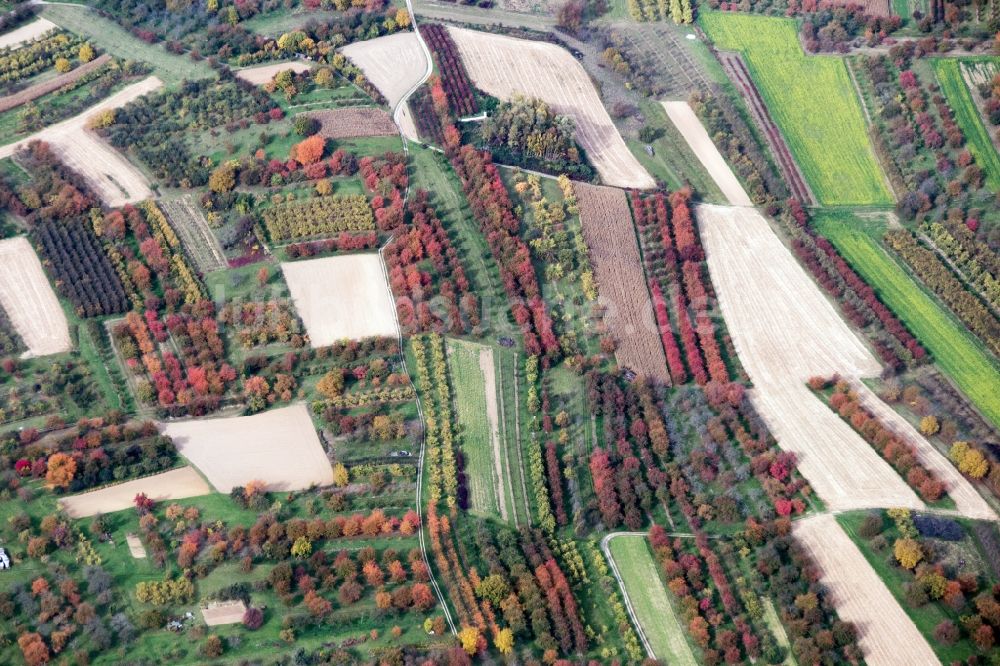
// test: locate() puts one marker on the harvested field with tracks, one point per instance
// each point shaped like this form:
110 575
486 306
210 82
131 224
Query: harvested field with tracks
27 298
621 283
684 118
113 178
195 234
887 635
740 76
179 483
785 331
504 66
279 447
45 87
352 122
342 297
26 33
262 74
394 63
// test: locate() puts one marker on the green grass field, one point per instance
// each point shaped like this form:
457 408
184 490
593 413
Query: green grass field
652 606
469 383
949 75
954 349
813 102
114 39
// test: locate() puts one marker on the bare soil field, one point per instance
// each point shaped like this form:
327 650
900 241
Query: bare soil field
195 234
114 179
279 447
621 283
26 32
888 636
394 63
701 144
28 300
135 546
967 501
355 121
261 74
343 297
177 483
785 331
505 66
224 612
872 7
737 71
45 87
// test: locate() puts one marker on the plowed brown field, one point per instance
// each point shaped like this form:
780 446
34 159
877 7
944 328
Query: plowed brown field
354 122
621 283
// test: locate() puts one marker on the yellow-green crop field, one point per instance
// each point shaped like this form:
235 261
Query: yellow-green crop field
813 102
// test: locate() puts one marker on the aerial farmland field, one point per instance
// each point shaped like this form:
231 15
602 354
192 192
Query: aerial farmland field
813 102
955 350
949 75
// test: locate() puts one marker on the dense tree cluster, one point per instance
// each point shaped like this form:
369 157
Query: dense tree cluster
37 56
318 216
527 132
680 11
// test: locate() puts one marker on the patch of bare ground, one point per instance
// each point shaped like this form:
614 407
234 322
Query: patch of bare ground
261 74
224 612
174 484
684 118
113 178
785 331
505 66
135 547
888 636
279 447
394 63
28 300
25 33
607 228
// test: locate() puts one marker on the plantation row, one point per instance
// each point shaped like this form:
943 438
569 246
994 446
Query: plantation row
426 275
54 49
931 271
674 261
323 215
432 373
454 78
976 260
894 344
899 453
680 11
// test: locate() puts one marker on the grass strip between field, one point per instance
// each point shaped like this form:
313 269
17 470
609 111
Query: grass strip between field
954 349
649 599
949 75
813 102
470 405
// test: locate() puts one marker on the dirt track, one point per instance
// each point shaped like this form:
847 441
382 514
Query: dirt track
174 484
504 66
785 331
263 73
683 117
279 447
393 63
28 299
109 173
343 297
888 636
